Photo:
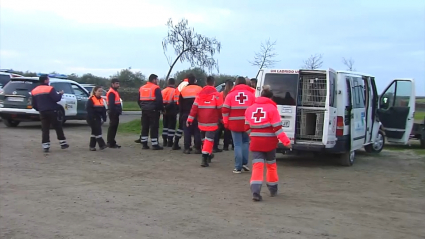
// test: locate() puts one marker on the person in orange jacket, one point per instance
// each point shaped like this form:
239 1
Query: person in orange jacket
169 117
151 104
186 99
263 122
179 131
207 109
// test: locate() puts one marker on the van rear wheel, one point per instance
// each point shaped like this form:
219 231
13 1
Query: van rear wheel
347 159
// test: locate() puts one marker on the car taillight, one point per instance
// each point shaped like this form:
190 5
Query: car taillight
29 102
339 126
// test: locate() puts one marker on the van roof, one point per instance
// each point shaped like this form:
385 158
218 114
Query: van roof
355 73
36 79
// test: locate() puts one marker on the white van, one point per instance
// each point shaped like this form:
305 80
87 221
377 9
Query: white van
340 112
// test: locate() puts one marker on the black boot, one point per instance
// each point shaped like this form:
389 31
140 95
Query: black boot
197 151
157 147
101 143
164 141
145 145
210 157
205 158
176 144
170 142
92 144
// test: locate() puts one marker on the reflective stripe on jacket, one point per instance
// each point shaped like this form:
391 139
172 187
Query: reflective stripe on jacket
150 97
45 98
207 109
263 121
187 98
235 104
113 100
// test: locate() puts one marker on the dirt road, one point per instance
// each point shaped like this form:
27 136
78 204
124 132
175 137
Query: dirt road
131 193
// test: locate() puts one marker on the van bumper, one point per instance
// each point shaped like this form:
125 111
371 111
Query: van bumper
19 114
342 145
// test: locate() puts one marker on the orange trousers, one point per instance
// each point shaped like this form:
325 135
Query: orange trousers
259 158
207 141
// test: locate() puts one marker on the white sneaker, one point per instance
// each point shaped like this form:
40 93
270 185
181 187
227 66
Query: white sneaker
245 168
237 171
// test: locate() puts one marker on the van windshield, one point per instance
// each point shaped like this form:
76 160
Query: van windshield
284 87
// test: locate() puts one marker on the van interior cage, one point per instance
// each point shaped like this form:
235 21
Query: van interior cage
312 90
310 124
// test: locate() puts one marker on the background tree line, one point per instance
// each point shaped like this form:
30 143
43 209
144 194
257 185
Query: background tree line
131 81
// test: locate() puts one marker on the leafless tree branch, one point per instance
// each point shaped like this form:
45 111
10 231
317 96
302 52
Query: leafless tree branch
265 57
190 46
349 63
313 62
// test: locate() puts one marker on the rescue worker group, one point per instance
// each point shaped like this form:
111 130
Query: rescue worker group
248 123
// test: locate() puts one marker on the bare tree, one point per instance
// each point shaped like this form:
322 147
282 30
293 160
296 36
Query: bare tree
313 62
190 46
264 58
349 63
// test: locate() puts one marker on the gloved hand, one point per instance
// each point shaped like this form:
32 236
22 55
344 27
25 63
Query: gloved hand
188 123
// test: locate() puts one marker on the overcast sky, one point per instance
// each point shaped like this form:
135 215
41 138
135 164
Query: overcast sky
385 38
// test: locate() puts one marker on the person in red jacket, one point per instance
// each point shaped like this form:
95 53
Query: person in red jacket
207 110
263 122
235 104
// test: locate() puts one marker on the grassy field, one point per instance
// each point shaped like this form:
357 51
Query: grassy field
419 115
415 147
131 106
134 127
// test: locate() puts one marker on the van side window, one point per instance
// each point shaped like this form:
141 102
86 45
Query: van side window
358 93
387 99
348 91
332 89
78 91
66 87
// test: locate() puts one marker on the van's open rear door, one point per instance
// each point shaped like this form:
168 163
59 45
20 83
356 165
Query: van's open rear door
396 110
284 85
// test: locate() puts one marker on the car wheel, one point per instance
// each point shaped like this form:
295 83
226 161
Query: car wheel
347 159
378 145
11 123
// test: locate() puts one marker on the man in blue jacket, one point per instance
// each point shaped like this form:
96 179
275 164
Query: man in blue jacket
44 100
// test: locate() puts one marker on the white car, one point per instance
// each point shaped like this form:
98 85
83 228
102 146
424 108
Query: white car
16 102
5 76
89 88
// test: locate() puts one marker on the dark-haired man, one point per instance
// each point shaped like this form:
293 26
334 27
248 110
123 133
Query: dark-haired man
113 100
44 100
150 102
169 117
186 100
